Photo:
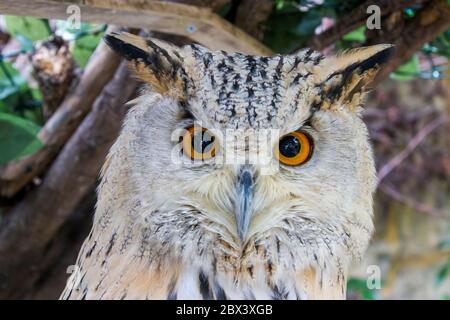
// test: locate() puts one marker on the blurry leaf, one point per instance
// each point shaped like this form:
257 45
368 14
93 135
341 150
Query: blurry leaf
31 28
35 115
16 97
407 71
279 4
4 108
27 44
84 47
12 85
87 37
36 94
359 286
356 35
440 45
10 80
17 138
443 273
65 30
445 243
225 9
7 91
289 28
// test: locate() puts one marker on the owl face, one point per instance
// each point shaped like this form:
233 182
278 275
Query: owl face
229 153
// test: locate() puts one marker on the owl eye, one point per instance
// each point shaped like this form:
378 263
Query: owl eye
198 143
294 149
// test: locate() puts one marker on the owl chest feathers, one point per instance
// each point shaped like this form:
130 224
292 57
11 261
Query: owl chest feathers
201 265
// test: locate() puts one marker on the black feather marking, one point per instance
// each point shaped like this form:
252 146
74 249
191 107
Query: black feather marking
172 296
163 52
250 271
278 244
207 59
83 297
133 53
89 253
111 244
264 60
279 293
205 289
70 293
236 80
219 292
359 68
270 267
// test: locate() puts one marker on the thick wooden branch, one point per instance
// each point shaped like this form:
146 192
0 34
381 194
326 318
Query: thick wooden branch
32 224
214 5
64 121
199 24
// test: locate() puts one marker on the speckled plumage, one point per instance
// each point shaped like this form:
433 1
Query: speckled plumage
165 229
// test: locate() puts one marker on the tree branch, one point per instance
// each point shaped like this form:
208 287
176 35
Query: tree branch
412 203
355 19
386 169
214 5
409 37
58 129
200 24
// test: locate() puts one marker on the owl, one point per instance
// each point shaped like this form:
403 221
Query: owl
191 207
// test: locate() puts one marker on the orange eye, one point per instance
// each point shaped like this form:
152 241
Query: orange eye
294 149
199 144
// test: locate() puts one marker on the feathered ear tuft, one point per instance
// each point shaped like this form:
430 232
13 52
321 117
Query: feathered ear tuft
155 62
345 77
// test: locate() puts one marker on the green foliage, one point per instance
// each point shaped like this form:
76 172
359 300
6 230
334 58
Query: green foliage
353 39
84 47
31 28
359 287
20 105
440 45
17 138
444 244
443 273
357 35
20 114
10 81
290 26
407 71
225 9
85 39
16 97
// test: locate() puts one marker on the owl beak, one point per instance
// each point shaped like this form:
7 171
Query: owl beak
244 191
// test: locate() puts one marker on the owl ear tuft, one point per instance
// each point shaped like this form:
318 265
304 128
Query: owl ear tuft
155 62
345 77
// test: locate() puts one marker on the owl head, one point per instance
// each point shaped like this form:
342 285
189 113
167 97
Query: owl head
204 190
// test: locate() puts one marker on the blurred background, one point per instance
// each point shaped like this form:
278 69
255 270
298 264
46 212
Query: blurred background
62 95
